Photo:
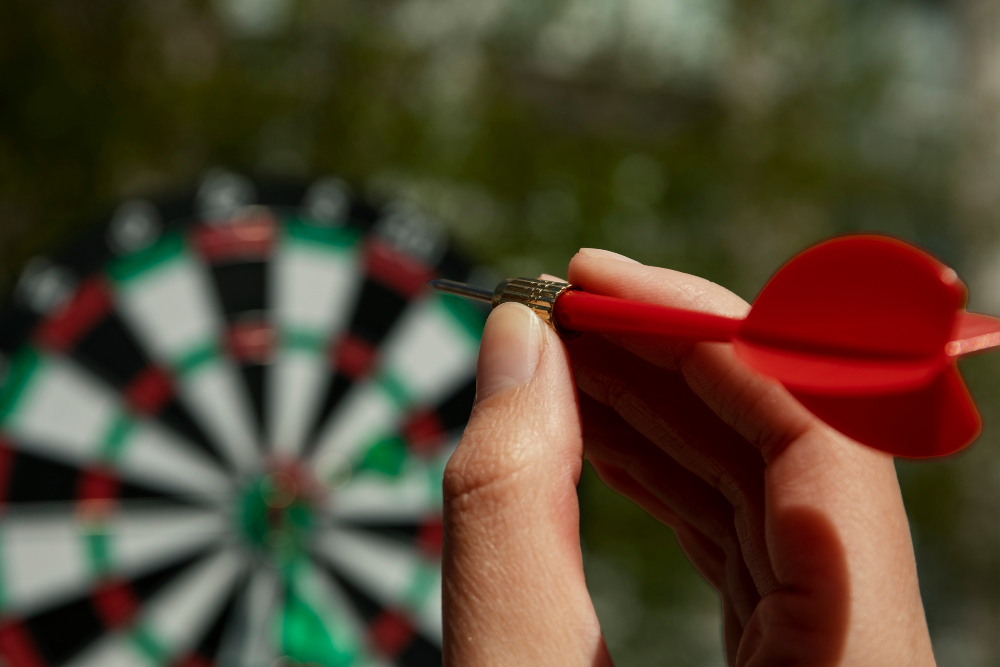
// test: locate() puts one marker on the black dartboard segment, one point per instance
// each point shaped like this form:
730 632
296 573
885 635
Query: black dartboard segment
224 417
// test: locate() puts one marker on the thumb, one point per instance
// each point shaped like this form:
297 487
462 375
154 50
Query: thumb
514 590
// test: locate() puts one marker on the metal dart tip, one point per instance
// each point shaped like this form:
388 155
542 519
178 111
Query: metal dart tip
461 289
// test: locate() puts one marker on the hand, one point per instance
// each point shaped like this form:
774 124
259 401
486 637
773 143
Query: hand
801 530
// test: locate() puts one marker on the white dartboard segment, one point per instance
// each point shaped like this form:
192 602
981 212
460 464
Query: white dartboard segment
369 411
409 497
315 281
165 632
177 616
166 297
47 559
249 635
394 575
53 408
432 351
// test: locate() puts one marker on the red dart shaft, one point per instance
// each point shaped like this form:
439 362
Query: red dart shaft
584 312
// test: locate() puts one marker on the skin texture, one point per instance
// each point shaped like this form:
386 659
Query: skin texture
801 530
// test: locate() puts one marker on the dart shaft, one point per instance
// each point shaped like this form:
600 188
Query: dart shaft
462 289
583 312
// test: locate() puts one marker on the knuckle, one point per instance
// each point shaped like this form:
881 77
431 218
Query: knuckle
486 460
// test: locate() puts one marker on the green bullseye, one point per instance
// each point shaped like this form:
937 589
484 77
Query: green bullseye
277 516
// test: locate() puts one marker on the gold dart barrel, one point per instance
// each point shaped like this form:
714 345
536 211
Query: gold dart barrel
539 295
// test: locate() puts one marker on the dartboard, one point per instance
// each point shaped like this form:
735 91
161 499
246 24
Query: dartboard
224 419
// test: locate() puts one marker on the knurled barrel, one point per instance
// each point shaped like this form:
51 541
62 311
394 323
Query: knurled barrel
539 295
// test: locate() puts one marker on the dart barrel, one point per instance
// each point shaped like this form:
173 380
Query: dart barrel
535 293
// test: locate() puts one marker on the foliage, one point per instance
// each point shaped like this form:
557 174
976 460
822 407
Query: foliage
714 137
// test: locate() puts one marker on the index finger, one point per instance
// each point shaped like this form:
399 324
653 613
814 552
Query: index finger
759 408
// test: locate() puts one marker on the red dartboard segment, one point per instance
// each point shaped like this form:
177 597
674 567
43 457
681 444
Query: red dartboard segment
17 647
431 538
395 270
250 239
390 633
424 432
116 604
353 356
7 456
149 391
86 308
427 430
192 661
251 341
98 484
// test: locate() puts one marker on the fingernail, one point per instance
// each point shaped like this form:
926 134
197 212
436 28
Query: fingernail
511 347
606 254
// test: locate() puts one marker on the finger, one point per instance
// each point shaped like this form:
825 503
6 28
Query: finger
660 406
514 590
761 410
810 468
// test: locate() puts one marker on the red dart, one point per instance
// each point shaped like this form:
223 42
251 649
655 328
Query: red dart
863 330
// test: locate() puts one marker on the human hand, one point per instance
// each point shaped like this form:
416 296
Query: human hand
801 530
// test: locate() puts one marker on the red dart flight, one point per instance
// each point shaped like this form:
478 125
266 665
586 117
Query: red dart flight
863 330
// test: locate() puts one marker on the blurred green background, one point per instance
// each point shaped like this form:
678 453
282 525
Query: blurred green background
710 136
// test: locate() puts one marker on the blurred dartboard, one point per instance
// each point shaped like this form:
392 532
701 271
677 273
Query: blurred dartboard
224 421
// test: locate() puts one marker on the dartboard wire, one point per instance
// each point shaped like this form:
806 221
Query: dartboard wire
136 230
170 623
86 331
236 236
226 224
51 407
136 225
